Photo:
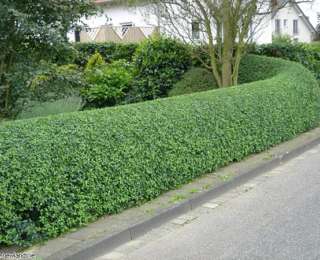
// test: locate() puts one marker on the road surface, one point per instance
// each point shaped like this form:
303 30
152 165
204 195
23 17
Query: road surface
274 216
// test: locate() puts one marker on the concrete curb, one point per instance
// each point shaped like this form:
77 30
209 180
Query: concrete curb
93 248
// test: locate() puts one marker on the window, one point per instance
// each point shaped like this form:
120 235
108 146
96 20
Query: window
125 27
285 22
195 27
318 18
277 26
295 27
77 35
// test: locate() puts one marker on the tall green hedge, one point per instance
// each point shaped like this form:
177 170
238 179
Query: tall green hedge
306 54
159 63
62 171
109 51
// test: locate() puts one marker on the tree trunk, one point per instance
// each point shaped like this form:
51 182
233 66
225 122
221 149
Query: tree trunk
236 66
227 45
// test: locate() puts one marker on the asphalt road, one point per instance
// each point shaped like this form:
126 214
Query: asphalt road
274 216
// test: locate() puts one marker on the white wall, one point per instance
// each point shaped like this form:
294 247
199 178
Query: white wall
116 15
267 27
262 33
289 13
141 16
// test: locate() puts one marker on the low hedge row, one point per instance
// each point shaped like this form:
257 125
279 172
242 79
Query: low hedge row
63 171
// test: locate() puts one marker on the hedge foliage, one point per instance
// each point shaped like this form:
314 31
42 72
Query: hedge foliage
109 51
159 63
306 54
194 80
62 171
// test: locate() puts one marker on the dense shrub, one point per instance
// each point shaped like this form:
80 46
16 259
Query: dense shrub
253 69
282 39
301 53
194 80
63 171
199 79
51 82
65 54
39 82
109 51
159 63
17 81
313 46
107 84
94 61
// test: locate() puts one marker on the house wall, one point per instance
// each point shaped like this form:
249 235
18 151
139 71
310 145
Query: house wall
116 15
289 14
142 16
262 33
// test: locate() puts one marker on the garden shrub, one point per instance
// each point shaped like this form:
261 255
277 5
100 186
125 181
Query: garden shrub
51 82
109 51
63 171
314 46
194 80
107 83
94 61
282 39
159 63
64 54
40 82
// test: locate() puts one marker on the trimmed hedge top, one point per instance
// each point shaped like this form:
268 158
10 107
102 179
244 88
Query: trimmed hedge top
63 171
306 54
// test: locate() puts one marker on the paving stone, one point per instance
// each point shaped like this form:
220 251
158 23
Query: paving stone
249 186
183 219
210 205
84 233
131 246
53 246
111 256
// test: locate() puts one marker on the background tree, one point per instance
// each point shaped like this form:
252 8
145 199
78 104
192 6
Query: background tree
32 30
221 29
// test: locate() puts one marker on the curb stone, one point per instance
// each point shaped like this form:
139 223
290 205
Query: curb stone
243 171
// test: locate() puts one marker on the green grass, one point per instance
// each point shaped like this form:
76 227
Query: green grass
37 109
177 198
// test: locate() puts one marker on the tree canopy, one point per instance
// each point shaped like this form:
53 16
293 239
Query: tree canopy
34 29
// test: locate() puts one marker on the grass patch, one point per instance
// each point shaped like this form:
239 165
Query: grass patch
37 109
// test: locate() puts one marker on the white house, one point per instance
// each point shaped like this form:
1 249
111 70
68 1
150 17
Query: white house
123 23
292 21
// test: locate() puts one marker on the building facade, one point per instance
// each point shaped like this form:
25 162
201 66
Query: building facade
119 22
